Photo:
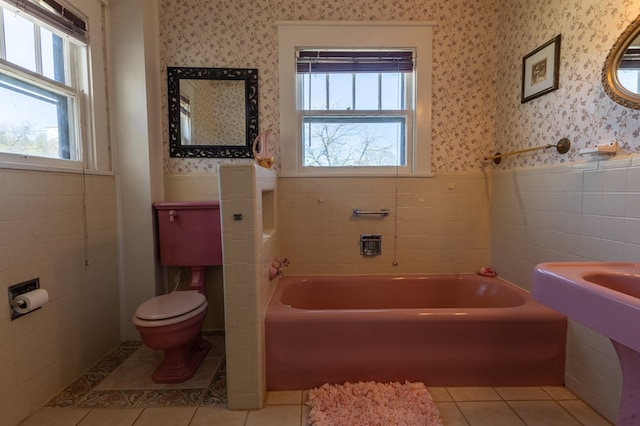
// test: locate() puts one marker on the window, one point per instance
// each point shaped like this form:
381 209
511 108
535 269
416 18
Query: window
355 98
356 107
46 112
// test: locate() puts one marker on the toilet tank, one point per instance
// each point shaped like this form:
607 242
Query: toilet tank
189 233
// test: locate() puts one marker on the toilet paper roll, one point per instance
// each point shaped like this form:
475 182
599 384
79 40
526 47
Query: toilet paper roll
27 302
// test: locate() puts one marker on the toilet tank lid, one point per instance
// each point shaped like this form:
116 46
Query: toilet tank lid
187 205
170 305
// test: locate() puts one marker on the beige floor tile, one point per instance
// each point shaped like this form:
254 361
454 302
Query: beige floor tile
522 394
439 394
476 406
473 394
174 416
56 417
111 417
284 398
451 414
305 415
489 413
559 392
547 413
585 414
218 415
275 415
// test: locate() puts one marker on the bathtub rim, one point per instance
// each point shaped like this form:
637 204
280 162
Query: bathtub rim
530 308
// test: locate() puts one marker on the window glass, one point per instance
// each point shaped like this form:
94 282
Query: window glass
19 41
52 55
392 89
45 133
340 91
314 88
367 94
334 141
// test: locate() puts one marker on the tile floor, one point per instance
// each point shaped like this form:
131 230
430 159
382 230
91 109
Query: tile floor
118 391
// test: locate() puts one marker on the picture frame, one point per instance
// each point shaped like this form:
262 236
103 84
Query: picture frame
541 70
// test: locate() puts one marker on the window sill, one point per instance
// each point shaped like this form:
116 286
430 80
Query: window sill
48 165
325 174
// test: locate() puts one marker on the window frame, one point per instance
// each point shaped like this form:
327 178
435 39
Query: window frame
91 112
412 35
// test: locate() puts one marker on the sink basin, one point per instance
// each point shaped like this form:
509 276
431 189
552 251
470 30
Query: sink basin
623 283
604 296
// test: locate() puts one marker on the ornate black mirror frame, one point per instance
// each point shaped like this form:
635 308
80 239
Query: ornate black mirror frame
612 86
250 78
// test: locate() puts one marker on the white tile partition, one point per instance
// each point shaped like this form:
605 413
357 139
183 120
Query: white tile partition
581 212
248 252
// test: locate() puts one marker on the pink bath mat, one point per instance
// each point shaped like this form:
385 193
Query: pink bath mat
370 403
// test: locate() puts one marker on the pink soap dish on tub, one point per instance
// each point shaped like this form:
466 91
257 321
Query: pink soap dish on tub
486 272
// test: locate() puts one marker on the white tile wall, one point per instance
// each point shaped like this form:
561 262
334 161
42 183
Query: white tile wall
584 212
436 225
42 234
248 252
191 187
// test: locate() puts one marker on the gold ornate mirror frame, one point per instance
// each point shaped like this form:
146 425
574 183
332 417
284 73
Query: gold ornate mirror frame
610 82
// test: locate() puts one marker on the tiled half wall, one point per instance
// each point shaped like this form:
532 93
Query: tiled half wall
249 245
584 212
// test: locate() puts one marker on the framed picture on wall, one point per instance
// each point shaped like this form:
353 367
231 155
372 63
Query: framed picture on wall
540 70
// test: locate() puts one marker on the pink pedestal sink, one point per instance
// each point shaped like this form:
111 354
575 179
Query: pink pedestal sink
604 296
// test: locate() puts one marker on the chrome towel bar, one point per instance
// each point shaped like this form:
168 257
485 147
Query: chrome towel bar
562 146
381 212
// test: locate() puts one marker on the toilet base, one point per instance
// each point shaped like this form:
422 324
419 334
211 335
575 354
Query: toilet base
181 363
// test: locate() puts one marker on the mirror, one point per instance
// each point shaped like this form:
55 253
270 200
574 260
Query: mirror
621 71
213 112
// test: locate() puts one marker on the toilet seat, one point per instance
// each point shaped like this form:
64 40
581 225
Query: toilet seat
171 308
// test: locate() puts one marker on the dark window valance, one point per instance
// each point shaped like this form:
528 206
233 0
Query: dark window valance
326 61
56 15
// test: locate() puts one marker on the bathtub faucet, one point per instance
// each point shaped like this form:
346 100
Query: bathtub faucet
277 267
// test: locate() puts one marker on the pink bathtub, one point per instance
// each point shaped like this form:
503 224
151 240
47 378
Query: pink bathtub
443 330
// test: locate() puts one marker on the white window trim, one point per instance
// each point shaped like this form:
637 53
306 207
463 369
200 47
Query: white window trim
294 35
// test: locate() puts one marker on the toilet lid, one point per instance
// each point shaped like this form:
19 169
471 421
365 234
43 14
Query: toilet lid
170 305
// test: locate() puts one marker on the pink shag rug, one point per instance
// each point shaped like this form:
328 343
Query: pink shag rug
370 403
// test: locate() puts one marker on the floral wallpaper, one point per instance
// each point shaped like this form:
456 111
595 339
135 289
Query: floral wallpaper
478 48
242 34
579 110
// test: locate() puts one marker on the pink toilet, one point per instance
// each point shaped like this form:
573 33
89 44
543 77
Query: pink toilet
189 235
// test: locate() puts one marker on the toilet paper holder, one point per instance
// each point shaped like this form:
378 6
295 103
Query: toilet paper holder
17 290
